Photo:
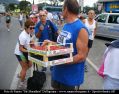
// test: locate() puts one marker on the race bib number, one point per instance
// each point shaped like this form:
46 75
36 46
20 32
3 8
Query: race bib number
64 37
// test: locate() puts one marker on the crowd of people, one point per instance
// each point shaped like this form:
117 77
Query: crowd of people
77 30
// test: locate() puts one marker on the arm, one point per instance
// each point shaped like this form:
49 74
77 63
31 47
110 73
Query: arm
53 27
82 46
38 34
22 49
46 42
83 21
38 30
95 29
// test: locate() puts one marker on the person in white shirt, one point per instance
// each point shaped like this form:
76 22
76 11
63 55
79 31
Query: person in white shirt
8 21
21 51
49 16
91 25
111 67
55 18
21 17
0 17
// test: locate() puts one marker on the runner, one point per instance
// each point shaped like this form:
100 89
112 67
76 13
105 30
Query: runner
8 21
21 18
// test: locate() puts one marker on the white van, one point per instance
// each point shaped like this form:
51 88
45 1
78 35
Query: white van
108 25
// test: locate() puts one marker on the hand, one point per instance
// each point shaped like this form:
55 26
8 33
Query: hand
41 27
46 42
32 43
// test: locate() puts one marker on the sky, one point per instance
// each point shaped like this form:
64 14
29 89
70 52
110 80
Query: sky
86 2
89 2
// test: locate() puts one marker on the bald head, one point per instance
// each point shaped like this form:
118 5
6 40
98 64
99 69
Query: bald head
42 13
46 11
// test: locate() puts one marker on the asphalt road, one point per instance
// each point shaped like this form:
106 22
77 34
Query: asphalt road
8 62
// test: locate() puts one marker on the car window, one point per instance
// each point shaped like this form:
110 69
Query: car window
113 19
101 18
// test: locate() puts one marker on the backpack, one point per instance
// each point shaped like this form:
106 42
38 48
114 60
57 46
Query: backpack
37 81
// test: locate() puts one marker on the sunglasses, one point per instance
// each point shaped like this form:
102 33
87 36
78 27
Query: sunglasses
31 28
90 13
42 15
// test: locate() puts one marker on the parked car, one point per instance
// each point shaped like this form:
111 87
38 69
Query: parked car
108 25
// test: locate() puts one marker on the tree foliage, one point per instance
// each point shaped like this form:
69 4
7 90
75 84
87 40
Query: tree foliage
41 5
95 8
55 2
61 0
23 5
11 6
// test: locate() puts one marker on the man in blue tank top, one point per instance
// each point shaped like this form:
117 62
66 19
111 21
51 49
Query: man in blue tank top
71 75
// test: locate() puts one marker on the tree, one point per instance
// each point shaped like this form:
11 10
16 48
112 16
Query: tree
55 2
23 6
87 8
96 8
11 6
61 0
41 5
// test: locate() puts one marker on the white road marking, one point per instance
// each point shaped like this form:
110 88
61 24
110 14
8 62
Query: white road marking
92 64
15 79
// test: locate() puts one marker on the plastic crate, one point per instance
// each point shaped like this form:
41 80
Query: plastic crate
50 55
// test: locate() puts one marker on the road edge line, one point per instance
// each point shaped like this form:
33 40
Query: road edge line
15 79
92 64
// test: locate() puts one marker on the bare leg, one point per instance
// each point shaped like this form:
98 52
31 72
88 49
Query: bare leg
23 70
8 26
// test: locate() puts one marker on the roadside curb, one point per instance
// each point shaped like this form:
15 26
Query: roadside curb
15 79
